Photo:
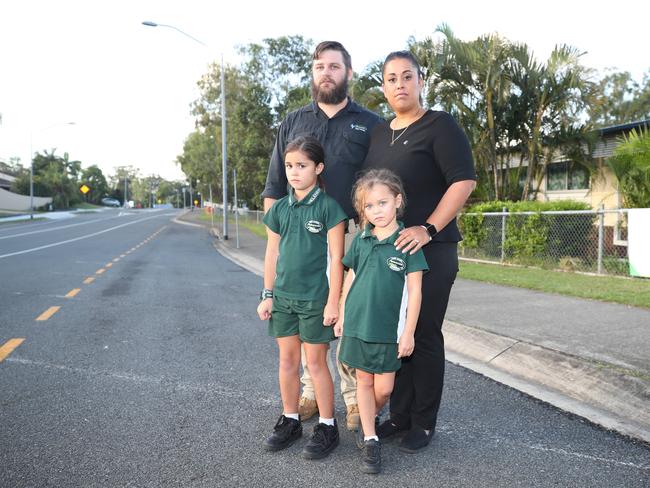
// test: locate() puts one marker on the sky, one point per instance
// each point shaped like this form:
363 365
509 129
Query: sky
128 88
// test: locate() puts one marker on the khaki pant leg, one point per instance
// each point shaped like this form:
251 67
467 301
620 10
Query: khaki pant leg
348 380
305 379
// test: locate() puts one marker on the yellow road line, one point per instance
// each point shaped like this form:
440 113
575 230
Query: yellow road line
100 271
8 347
73 292
108 265
47 314
89 280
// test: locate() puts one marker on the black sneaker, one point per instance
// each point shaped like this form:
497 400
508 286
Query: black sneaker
285 433
360 436
388 428
323 441
415 440
371 457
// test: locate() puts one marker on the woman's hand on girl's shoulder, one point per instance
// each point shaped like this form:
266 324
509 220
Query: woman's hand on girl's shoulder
406 345
264 309
412 239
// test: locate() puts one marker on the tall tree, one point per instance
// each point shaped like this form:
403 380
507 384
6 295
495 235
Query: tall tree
94 178
272 79
556 95
54 176
511 107
471 80
619 99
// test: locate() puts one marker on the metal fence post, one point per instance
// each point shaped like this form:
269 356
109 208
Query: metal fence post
234 176
503 234
601 236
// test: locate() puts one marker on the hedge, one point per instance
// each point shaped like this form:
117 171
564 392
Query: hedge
528 236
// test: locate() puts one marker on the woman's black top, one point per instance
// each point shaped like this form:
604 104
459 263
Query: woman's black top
429 156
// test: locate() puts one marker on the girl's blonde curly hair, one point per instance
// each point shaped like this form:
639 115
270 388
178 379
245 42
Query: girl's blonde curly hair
367 181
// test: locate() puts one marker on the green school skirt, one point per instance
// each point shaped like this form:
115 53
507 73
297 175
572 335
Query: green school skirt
372 357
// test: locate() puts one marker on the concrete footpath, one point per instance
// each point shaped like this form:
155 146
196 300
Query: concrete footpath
587 357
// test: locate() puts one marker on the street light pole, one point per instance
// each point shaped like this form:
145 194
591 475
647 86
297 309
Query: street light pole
224 159
31 164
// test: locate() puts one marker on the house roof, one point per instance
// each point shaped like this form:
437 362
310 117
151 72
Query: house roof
612 129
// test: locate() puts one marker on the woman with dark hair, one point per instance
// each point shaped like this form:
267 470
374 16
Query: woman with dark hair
431 154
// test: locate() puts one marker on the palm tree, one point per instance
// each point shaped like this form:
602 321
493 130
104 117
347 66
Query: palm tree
631 166
555 95
472 82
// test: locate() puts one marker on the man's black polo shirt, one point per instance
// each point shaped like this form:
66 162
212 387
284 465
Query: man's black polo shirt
345 138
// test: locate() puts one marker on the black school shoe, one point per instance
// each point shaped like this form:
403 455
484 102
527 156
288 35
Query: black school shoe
360 436
388 428
415 440
286 432
323 441
371 457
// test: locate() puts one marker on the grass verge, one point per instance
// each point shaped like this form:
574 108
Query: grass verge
635 292
257 229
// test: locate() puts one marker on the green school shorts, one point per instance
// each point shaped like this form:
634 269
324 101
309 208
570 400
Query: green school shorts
299 317
372 357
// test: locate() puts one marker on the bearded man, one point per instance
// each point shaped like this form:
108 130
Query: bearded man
343 128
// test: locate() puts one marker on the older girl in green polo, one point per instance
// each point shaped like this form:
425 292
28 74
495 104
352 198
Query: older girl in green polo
298 302
373 297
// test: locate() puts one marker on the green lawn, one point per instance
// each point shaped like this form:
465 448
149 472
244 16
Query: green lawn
635 292
257 229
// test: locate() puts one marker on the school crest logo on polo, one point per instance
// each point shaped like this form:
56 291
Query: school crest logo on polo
396 264
314 226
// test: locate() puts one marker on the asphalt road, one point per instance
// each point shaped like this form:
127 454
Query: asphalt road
158 373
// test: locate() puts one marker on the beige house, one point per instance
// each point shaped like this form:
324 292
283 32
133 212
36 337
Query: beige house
563 182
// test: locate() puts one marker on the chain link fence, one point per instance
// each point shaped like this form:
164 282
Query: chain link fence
591 241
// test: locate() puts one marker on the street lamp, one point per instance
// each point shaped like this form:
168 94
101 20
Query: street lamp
31 166
224 162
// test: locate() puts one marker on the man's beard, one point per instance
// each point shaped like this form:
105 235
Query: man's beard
332 97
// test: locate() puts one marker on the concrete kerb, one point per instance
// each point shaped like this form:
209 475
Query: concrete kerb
605 395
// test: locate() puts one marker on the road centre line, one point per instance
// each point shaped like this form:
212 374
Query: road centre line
108 265
73 292
116 260
89 280
77 238
48 313
100 271
8 347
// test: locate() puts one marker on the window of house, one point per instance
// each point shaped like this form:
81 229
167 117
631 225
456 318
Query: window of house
566 176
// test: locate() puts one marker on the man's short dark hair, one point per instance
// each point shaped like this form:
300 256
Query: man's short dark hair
333 46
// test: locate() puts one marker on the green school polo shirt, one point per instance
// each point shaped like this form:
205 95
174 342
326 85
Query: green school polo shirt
373 303
303 225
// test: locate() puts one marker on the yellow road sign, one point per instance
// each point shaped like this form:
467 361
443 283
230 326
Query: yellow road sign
84 189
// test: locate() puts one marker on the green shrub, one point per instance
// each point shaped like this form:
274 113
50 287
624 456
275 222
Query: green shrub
528 236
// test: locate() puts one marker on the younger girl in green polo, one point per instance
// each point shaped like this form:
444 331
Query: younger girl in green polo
372 300
298 302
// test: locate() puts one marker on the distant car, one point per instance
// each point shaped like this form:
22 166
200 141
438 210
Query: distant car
111 202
